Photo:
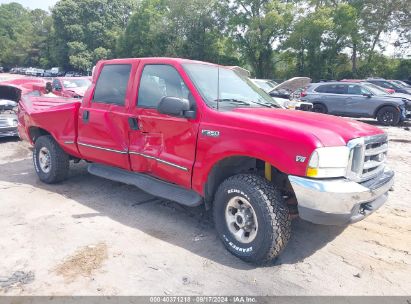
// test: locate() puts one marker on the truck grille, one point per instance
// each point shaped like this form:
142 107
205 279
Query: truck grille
367 157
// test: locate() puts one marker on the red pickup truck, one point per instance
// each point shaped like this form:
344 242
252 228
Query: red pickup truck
197 133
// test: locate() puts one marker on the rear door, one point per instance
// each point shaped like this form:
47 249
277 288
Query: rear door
333 96
163 146
103 120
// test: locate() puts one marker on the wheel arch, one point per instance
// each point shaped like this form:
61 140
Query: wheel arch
236 164
385 105
36 132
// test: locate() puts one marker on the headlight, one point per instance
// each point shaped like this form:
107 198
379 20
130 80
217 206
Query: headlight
328 162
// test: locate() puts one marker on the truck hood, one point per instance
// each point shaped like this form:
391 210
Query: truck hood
329 130
293 84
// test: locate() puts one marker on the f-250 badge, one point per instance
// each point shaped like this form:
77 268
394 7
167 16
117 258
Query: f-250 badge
210 133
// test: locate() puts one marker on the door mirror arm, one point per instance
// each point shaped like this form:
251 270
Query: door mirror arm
190 114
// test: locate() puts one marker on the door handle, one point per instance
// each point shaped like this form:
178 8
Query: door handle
133 123
86 115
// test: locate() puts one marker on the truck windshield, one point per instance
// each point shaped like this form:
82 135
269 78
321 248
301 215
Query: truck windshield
223 88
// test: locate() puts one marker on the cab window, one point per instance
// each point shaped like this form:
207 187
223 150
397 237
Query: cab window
332 89
56 84
158 81
354 89
112 84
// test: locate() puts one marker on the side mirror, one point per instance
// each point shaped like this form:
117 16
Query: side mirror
367 95
175 106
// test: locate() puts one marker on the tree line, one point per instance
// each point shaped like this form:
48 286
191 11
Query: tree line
321 39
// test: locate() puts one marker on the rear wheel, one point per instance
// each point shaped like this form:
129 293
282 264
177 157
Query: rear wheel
50 161
388 116
319 108
251 218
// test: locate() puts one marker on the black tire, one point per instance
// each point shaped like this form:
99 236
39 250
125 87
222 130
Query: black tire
388 116
58 160
274 223
320 108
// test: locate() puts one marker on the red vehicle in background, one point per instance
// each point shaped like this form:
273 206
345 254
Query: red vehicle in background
198 133
70 87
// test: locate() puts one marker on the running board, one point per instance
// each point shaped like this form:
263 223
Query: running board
148 184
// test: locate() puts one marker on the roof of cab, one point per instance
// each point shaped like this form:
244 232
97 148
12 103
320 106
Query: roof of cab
154 59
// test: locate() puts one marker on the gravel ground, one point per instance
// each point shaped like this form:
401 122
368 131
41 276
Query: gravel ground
90 236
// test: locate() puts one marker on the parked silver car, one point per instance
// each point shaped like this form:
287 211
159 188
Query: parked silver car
9 97
358 99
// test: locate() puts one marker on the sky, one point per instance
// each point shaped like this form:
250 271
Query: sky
45 4
32 4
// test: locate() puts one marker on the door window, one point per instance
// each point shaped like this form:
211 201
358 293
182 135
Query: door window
112 84
56 84
332 89
354 89
158 81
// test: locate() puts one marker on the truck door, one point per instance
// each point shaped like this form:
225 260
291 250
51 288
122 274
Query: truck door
103 119
163 146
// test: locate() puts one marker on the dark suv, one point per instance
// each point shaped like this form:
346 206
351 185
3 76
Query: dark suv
358 99
386 84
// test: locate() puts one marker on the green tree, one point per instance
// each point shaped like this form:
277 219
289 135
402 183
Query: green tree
83 28
16 30
192 29
257 26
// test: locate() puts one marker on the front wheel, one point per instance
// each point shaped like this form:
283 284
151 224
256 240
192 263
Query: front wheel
388 116
50 161
319 108
251 218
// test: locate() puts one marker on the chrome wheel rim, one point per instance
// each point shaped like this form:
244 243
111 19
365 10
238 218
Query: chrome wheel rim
241 219
45 160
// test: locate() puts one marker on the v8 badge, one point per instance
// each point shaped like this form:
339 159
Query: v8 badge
300 159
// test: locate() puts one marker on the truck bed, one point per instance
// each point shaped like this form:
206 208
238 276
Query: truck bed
54 115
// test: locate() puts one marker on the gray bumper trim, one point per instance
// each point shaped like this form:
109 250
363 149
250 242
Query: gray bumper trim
340 201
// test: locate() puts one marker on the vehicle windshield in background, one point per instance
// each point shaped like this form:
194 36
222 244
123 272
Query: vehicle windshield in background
265 85
234 90
76 83
401 84
374 89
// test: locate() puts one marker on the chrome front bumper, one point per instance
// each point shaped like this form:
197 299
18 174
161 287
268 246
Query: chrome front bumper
340 201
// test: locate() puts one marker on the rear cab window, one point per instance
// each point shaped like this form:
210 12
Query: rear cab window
112 84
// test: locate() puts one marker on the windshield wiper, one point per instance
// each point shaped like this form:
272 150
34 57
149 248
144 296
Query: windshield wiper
269 105
233 100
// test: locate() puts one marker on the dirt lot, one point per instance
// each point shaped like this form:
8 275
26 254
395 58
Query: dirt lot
90 236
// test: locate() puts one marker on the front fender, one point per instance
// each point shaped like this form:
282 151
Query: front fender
279 150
